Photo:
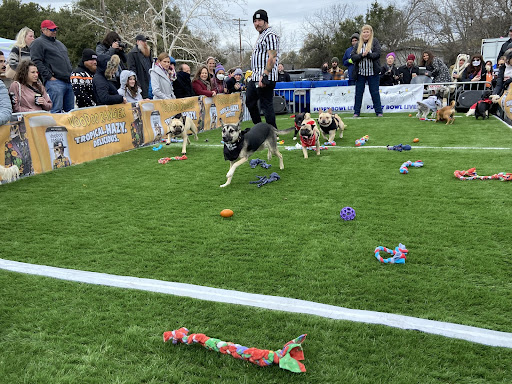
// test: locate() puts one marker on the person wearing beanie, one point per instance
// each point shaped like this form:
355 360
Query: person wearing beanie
235 83
408 71
218 79
389 73
264 62
81 79
336 72
347 61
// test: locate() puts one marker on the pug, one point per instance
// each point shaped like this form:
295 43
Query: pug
309 136
179 126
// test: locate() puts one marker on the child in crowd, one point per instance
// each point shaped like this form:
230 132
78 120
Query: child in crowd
129 87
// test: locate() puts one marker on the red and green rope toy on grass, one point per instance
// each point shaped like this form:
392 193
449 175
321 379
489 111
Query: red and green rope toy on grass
471 174
288 357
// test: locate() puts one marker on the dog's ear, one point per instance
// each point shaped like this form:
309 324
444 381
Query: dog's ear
329 111
177 116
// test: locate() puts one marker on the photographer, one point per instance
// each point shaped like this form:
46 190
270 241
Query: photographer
112 45
389 74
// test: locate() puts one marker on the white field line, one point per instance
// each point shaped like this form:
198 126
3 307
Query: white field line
282 147
457 331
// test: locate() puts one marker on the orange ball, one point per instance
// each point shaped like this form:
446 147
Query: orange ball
226 213
416 140
410 115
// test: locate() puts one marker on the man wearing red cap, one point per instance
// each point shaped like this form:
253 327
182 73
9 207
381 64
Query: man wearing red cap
52 61
408 71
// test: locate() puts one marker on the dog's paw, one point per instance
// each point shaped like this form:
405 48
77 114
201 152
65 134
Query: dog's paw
183 153
294 138
224 185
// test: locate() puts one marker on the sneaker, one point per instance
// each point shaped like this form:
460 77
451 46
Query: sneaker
355 115
380 115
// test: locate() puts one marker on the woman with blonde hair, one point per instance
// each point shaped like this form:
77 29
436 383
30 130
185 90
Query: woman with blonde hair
29 93
20 51
365 56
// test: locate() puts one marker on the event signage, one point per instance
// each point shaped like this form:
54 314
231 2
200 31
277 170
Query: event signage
397 98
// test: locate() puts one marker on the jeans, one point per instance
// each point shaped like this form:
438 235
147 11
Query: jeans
373 85
61 94
266 97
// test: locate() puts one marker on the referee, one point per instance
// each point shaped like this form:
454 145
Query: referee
264 62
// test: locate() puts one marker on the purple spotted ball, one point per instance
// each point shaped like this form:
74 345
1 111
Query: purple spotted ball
348 213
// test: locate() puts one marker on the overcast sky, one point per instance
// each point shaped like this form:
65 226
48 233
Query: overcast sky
285 16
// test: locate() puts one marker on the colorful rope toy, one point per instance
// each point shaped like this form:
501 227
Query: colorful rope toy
400 147
399 254
288 357
165 160
347 213
471 174
409 163
362 140
330 143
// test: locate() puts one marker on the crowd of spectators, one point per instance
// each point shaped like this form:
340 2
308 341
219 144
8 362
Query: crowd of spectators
38 73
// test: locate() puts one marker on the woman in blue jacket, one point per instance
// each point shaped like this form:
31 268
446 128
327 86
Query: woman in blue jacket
365 56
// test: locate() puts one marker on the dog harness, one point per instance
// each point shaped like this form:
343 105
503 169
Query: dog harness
232 150
330 127
311 141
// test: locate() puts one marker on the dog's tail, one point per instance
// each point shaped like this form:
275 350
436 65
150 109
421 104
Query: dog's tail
285 131
452 104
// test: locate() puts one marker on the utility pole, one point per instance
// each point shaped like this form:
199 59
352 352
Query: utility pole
239 22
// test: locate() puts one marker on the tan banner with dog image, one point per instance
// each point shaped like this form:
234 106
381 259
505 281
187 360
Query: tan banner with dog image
157 114
62 139
37 142
228 108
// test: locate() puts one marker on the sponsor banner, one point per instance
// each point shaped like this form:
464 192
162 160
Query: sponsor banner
157 115
40 141
398 98
61 139
228 108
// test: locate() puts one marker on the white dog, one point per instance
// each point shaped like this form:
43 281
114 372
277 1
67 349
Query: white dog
431 104
9 174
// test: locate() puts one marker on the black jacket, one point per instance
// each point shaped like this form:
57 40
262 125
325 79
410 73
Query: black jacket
141 65
405 73
51 58
501 84
504 48
105 92
389 76
374 55
183 85
464 77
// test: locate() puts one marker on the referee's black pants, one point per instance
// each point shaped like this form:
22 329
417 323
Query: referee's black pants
266 97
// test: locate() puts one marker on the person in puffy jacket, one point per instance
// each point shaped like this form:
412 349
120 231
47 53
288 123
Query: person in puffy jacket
129 87
162 75
105 92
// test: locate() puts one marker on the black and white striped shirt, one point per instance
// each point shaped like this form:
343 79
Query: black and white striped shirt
267 41
366 64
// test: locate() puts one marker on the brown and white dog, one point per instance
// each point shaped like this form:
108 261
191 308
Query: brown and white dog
309 135
10 173
329 123
179 126
446 113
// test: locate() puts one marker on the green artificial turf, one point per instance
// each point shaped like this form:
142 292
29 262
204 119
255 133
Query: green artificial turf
129 215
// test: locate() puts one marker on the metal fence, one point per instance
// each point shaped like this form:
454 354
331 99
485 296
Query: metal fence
298 99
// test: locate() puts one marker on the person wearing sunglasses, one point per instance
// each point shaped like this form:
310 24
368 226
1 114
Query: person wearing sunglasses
52 61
